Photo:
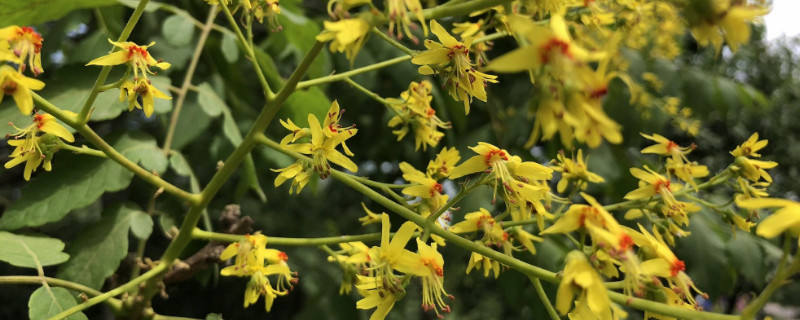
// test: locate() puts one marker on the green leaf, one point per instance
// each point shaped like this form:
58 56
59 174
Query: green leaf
209 101
178 163
178 30
214 316
747 257
98 250
142 148
77 181
31 251
301 103
191 124
10 114
229 48
31 12
47 302
141 225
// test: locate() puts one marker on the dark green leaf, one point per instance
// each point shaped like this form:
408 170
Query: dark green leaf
746 255
178 30
47 302
141 224
77 181
30 12
99 249
192 123
214 316
179 164
230 50
31 251
209 101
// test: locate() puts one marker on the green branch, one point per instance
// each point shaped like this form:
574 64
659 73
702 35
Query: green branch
83 116
537 284
112 293
394 43
248 49
109 151
279 241
345 75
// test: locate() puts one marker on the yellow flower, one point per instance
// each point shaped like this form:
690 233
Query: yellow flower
132 54
433 282
347 35
376 296
338 8
399 16
482 220
787 218
296 171
370 218
687 171
141 88
551 46
606 232
451 58
322 146
425 188
667 148
414 110
26 44
551 118
729 19
392 255
574 170
652 184
259 285
269 9
35 149
478 262
750 147
526 239
14 84
579 278
444 162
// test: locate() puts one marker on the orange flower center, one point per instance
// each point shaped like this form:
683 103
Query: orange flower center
677 266
554 45
495 155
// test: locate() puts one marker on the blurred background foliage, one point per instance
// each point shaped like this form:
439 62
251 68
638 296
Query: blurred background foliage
732 95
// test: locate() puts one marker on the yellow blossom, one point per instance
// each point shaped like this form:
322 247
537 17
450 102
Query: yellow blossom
787 218
269 9
488 265
433 282
579 278
376 296
18 86
347 35
141 88
399 11
444 162
425 188
297 171
134 55
26 44
451 58
574 170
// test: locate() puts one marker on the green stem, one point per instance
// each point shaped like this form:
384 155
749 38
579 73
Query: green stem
112 293
493 36
345 75
667 310
110 152
279 241
460 9
187 79
369 93
394 43
537 284
248 49
376 184
82 150
83 116
780 278
77 287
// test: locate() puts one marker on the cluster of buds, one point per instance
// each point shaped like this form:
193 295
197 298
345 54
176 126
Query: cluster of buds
414 112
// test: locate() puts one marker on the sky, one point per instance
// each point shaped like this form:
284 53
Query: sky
783 19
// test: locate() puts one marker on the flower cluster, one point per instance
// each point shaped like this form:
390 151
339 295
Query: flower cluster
573 170
376 270
253 259
450 58
36 144
322 143
414 112
21 46
524 184
139 60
